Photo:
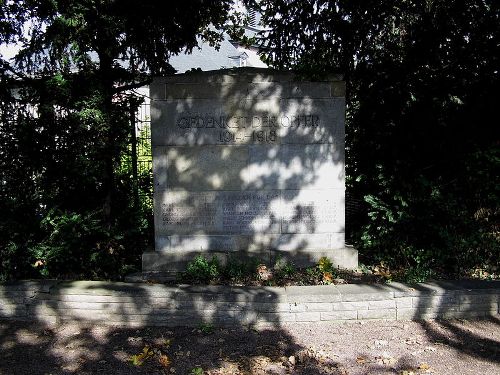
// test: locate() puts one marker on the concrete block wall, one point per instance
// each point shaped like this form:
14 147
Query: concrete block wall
140 304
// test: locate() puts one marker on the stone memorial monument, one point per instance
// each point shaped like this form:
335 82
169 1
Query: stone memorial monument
248 162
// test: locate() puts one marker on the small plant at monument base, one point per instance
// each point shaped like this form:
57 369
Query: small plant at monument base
284 271
206 328
196 371
202 270
325 266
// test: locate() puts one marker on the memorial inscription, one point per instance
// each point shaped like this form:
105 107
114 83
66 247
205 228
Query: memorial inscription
256 129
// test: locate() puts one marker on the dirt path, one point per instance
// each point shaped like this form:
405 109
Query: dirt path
374 347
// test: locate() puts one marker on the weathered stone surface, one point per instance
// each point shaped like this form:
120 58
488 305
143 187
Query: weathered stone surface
307 316
145 304
249 212
252 161
313 211
349 306
379 305
339 315
291 166
199 168
377 314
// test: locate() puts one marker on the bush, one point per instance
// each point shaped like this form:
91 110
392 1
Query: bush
433 225
202 270
78 246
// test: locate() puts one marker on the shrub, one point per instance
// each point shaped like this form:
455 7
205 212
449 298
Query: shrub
202 270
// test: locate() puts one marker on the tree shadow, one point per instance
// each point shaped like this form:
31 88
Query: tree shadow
95 327
440 306
247 163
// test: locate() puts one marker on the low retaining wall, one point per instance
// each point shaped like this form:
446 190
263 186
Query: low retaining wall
141 304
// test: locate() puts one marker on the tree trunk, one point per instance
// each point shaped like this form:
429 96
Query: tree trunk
106 84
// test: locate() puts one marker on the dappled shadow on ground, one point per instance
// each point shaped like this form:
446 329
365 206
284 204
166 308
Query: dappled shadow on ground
31 349
467 340
351 348
272 346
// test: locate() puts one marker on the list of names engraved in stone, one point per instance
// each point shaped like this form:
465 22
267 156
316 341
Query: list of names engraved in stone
248 211
200 216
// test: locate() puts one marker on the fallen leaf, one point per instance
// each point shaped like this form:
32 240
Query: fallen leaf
361 360
164 360
327 277
138 359
424 366
386 360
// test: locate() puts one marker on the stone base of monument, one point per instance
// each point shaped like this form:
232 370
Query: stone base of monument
166 266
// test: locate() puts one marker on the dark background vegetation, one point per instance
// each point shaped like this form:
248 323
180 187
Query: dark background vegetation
422 129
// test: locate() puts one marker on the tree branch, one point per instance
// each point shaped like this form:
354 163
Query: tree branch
131 86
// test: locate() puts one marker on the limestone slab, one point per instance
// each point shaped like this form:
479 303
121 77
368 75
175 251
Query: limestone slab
232 243
313 211
199 168
217 212
291 166
248 162
247 121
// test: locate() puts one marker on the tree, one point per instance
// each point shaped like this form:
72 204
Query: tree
120 44
422 80
78 61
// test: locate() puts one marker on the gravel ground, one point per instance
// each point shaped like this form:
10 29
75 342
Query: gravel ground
372 347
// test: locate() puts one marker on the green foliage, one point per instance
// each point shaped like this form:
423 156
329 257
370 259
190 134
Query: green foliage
77 246
206 328
421 135
417 274
325 265
284 271
197 371
202 270
66 188
239 270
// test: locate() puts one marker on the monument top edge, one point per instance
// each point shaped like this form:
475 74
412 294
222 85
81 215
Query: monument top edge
244 74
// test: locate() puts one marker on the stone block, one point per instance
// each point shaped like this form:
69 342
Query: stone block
487 306
353 293
339 315
307 316
199 168
380 305
321 307
312 294
403 303
416 314
270 307
377 314
477 298
291 166
276 317
435 301
310 307
350 306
